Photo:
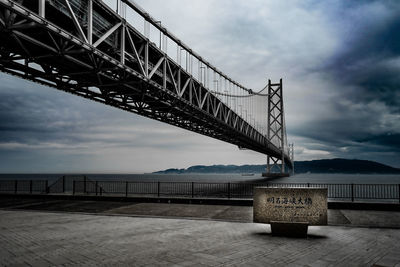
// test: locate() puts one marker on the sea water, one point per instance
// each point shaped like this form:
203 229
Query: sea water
221 178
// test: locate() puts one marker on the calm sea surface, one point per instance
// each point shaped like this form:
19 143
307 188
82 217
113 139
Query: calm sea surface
222 178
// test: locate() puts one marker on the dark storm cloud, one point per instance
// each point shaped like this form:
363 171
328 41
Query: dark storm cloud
29 115
391 141
364 77
370 57
371 63
34 115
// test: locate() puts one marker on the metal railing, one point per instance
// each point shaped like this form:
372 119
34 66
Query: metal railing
24 186
229 190
351 192
81 185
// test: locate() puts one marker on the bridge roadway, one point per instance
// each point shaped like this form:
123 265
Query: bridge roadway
87 49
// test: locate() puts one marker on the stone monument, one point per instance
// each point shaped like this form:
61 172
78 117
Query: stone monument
290 210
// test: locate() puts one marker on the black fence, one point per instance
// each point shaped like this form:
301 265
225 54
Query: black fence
81 185
230 190
65 184
24 186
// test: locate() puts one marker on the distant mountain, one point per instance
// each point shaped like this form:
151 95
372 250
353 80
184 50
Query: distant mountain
344 166
348 166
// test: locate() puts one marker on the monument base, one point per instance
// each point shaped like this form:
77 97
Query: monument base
275 175
289 229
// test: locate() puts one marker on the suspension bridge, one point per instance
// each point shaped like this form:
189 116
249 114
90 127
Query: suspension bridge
114 52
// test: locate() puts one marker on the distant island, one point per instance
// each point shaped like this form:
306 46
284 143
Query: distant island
346 166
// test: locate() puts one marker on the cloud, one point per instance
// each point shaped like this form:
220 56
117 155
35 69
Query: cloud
364 73
369 60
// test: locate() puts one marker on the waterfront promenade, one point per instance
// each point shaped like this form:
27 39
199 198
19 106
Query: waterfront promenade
93 233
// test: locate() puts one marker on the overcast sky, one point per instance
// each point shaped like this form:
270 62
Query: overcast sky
339 60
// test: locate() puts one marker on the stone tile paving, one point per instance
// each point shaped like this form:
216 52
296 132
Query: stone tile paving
215 212
373 218
39 238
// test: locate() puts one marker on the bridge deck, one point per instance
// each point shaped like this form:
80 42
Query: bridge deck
116 65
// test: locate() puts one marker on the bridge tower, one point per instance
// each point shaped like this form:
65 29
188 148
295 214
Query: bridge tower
276 132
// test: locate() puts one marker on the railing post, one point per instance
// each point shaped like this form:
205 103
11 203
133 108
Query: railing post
308 184
126 189
15 186
47 187
63 184
352 192
73 187
101 191
97 185
30 186
84 184
192 189
229 190
158 189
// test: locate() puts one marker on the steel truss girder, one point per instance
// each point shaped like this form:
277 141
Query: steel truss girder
135 76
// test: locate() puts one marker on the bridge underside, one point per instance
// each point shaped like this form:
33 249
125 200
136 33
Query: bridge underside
142 80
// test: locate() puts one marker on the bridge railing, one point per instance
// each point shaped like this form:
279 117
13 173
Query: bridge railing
84 186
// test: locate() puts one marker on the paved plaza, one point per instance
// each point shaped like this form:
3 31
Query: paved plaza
49 238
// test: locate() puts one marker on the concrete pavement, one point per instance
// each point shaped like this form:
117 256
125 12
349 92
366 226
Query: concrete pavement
36 238
102 233
359 218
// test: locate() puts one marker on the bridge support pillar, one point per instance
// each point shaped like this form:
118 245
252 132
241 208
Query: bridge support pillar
276 130
275 168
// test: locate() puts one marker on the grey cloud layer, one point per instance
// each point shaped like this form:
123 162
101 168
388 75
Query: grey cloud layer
365 73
